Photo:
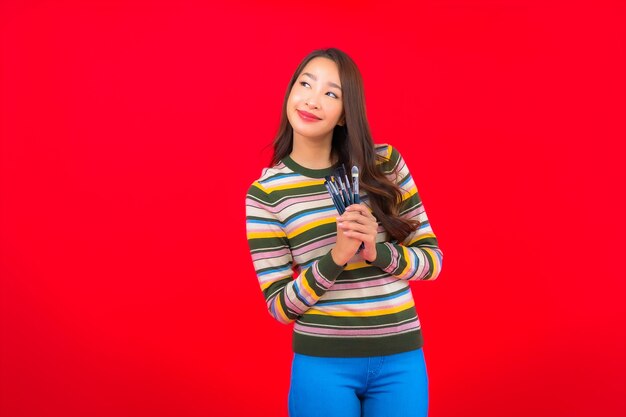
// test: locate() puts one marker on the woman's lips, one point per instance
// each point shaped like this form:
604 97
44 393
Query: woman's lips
307 117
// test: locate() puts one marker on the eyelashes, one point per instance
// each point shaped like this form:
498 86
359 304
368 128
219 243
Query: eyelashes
331 94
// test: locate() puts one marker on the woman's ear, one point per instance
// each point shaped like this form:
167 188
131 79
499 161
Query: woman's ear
342 121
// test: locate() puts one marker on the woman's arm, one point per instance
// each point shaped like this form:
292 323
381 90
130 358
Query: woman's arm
418 257
286 297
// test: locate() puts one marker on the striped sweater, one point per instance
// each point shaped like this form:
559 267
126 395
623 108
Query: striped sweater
357 309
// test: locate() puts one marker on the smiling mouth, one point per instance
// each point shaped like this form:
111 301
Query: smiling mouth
307 116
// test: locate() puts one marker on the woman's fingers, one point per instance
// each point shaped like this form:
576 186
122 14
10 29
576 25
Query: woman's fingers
361 208
359 223
358 213
356 227
362 231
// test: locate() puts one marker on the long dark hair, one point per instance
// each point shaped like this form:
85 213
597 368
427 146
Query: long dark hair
352 144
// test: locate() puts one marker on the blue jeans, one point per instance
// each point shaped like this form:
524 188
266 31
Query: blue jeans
378 386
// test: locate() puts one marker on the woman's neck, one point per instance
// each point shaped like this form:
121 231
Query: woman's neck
312 154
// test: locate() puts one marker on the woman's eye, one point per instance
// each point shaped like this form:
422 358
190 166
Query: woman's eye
333 95
304 83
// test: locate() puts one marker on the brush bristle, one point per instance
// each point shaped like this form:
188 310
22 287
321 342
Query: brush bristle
355 171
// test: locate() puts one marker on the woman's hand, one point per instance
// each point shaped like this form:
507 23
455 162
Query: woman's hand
345 248
357 222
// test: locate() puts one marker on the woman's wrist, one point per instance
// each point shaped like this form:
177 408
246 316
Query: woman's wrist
369 253
337 258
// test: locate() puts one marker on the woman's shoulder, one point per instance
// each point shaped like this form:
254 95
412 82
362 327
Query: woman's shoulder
387 154
268 176
383 150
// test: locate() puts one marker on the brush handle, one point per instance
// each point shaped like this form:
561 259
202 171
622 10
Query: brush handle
333 197
341 206
356 199
347 198
348 188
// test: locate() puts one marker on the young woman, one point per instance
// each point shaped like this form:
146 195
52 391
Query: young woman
357 340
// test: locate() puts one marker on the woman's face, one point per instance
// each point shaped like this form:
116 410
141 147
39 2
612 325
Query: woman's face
315 103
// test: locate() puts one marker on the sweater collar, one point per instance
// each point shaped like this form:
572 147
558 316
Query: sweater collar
308 172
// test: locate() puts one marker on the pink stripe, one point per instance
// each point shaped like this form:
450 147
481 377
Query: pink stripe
412 264
384 304
291 305
316 245
414 213
394 258
323 282
268 184
291 201
288 202
308 219
275 230
367 284
356 332
272 254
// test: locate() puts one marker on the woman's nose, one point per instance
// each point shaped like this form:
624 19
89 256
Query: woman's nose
311 104
312 101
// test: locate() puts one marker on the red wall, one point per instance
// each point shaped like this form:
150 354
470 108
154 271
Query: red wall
131 131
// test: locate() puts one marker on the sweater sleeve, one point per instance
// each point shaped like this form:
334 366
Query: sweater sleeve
418 257
287 298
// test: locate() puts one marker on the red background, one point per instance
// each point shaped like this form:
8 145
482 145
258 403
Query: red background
131 131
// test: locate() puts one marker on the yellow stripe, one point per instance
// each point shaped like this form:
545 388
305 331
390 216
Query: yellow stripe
435 263
387 155
367 313
409 193
267 284
294 186
260 235
310 226
421 237
405 253
356 265
308 288
280 309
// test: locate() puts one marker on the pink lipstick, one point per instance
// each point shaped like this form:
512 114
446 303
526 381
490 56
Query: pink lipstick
306 116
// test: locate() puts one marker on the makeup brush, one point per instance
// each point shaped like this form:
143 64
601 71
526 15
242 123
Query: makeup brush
356 199
345 177
333 196
344 193
340 176
336 196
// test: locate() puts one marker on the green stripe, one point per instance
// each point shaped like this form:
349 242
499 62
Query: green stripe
362 275
303 213
275 286
309 235
431 262
267 243
373 297
312 319
357 346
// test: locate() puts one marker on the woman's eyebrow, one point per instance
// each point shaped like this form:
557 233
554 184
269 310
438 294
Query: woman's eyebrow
330 83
